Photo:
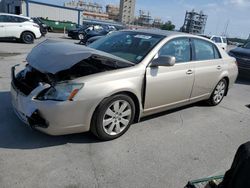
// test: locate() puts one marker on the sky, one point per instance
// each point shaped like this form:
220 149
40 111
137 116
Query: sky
235 13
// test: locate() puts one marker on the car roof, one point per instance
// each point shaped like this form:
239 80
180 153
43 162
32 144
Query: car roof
218 36
6 14
166 33
157 32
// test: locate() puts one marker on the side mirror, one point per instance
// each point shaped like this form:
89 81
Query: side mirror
163 60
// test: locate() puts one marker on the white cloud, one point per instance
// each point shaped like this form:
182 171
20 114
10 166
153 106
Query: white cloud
241 3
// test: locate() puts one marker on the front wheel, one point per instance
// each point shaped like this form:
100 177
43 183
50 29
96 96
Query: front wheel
218 93
113 117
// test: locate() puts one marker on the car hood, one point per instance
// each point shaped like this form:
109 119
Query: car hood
241 51
53 56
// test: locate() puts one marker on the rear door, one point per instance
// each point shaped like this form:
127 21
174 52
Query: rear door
170 86
2 28
208 66
14 26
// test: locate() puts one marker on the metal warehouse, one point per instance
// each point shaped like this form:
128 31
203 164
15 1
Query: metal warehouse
38 9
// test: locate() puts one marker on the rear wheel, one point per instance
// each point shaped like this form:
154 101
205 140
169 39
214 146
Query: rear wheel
113 117
218 93
27 37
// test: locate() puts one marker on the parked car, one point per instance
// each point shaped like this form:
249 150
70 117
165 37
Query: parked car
79 32
18 27
43 27
242 55
95 31
85 32
220 41
68 88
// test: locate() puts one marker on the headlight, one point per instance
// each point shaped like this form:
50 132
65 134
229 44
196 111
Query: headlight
62 92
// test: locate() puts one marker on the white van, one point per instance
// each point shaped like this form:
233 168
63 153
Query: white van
220 41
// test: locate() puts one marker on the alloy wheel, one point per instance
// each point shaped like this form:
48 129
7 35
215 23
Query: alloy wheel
117 117
219 92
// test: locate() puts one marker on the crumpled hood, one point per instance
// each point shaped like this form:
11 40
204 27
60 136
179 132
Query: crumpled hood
53 56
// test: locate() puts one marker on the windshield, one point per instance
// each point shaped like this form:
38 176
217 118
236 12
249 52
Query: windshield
247 45
129 45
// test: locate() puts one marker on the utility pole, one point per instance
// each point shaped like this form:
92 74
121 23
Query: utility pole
225 33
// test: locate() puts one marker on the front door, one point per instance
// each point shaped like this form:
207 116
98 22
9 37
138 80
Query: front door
170 86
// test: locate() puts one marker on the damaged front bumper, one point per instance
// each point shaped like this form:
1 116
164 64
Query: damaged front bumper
51 117
48 116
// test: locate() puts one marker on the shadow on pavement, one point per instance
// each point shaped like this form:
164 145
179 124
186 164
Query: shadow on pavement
10 40
16 135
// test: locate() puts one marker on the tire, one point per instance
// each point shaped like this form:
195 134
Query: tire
27 37
113 117
218 93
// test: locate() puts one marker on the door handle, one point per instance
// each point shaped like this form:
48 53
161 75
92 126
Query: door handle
219 67
189 72
1 26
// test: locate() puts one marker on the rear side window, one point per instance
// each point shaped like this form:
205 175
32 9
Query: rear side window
216 53
18 19
178 48
217 39
12 19
205 50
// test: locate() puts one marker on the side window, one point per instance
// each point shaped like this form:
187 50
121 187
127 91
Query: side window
178 48
1 19
205 50
217 39
216 53
5 18
15 19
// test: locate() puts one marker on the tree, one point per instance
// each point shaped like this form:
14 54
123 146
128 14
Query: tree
168 26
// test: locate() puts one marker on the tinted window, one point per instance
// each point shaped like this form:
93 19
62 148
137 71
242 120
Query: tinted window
216 53
5 18
205 50
131 46
178 48
216 39
12 19
18 19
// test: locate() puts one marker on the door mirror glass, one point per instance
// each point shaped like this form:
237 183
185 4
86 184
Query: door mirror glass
163 60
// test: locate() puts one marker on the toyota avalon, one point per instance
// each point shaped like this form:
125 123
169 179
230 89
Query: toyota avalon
117 80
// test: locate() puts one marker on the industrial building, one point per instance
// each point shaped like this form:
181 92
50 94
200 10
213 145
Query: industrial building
113 12
90 10
32 8
194 22
144 18
127 11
